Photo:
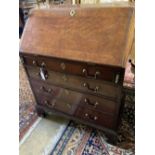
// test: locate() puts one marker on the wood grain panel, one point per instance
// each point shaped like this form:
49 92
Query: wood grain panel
94 34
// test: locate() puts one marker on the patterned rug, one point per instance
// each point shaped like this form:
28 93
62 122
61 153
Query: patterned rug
80 139
27 112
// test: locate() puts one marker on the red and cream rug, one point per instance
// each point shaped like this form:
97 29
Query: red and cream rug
27 112
80 139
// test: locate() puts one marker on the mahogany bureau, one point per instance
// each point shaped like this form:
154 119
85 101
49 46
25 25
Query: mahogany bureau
75 59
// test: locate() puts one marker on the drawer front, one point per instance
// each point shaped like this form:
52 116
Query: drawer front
78 83
98 103
107 73
43 89
72 98
56 104
95 117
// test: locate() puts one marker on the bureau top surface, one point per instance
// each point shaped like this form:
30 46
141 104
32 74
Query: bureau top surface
99 34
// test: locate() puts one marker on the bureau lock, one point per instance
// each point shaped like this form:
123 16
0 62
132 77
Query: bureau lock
72 12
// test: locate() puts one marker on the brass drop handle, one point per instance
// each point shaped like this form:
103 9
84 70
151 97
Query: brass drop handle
68 105
85 72
91 117
46 90
90 103
48 103
92 89
97 74
34 62
43 64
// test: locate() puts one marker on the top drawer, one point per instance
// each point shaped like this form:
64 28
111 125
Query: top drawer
88 70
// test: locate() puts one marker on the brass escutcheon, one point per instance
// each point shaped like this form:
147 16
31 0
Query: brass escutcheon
72 12
63 66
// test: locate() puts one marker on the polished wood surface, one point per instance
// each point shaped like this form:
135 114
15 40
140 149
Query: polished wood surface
96 34
75 57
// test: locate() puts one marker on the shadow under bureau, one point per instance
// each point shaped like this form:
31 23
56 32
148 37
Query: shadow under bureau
75 62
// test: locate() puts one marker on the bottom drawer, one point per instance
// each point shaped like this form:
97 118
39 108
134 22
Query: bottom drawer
95 117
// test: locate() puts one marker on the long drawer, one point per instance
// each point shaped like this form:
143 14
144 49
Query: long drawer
47 94
96 87
88 70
